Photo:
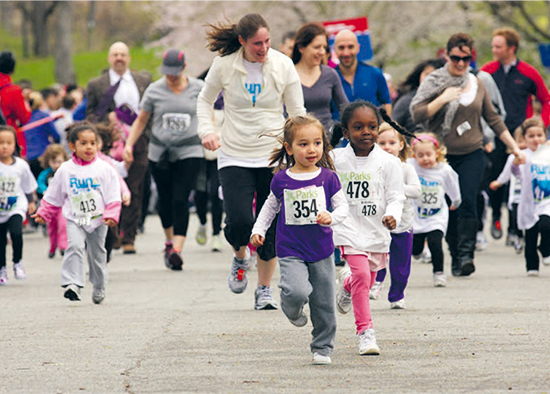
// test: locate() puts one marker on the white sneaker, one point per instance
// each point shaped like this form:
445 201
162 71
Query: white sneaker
216 243
481 241
72 292
98 295
319 359
264 299
440 280
398 304
518 246
426 255
374 293
3 276
546 260
367 343
19 271
533 273
201 235
343 298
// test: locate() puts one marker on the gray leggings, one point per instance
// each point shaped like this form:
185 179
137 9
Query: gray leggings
81 242
303 281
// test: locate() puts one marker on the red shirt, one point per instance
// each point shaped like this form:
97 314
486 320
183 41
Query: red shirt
14 108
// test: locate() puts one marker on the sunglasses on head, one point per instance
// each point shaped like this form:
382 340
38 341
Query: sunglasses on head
456 59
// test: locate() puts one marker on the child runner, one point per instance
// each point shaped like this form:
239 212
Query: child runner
431 214
394 142
373 185
17 186
534 206
514 194
51 160
303 189
89 192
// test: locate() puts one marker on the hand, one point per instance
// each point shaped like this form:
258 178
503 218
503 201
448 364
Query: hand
520 158
211 142
128 154
389 222
126 199
489 147
32 207
452 208
38 219
494 185
450 94
324 218
257 240
109 222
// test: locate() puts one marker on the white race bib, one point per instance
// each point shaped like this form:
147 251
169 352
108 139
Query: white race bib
540 173
177 123
431 199
9 191
363 189
86 206
303 205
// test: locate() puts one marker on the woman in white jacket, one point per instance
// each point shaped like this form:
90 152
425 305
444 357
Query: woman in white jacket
372 182
255 81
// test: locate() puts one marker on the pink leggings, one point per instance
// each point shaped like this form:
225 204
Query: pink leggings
359 284
57 231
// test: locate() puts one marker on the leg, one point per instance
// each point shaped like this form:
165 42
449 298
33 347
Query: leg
321 305
53 232
61 231
97 256
295 286
215 202
400 264
498 159
129 218
267 260
72 269
162 179
201 195
531 253
15 226
359 284
3 244
418 243
435 243
544 230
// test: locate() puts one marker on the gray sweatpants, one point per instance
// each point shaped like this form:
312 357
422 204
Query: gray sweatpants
302 281
79 242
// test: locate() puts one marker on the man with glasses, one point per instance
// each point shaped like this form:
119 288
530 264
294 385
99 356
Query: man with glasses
517 82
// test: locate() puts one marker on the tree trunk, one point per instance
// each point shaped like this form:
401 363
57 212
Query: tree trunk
39 17
25 37
6 16
91 23
63 52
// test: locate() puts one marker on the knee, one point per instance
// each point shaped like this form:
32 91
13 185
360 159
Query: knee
294 297
361 278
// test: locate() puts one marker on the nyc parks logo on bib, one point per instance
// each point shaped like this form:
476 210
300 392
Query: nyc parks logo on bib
363 189
303 205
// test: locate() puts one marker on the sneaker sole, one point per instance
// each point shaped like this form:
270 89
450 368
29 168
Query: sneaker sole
370 352
71 295
468 269
266 307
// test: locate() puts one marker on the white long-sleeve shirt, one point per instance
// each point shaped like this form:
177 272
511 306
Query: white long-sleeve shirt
514 194
374 190
412 191
245 118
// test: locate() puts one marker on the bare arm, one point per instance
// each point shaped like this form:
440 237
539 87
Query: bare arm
135 133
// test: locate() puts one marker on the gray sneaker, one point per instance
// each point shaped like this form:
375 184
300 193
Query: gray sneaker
264 299
98 295
237 277
343 298
301 320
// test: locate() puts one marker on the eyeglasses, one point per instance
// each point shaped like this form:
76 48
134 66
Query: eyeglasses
456 59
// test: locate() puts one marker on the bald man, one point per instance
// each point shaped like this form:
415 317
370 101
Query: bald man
361 81
131 86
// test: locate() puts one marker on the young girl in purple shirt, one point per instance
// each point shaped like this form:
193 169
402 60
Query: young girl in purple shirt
303 189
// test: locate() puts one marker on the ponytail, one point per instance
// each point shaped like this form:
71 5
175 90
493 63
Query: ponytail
394 124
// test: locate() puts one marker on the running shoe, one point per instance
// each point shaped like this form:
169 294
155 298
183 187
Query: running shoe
546 260
481 241
440 280
237 277
319 359
19 271
301 320
201 235
533 273
496 229
168 249
511 239
216 243
367 343
3 276
375 291
72 292
518 246
398 304
343 297
98 295
264 299
175 260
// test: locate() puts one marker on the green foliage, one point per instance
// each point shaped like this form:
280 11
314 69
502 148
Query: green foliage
87 65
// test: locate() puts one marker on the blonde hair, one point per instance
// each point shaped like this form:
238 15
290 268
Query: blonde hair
405 152
35 100
535 121
280 157
51 152
431 138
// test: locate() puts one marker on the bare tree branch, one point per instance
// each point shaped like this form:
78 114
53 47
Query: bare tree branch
521 6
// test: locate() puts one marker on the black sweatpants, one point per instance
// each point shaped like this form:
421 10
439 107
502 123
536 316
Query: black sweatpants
435 244
15 226
542 227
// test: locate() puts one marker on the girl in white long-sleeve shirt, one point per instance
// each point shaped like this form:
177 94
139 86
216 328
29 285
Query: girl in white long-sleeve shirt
372 182
394 142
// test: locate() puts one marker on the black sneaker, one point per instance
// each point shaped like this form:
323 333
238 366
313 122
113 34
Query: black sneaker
72 292
51 255
168 249
496 229
175 261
